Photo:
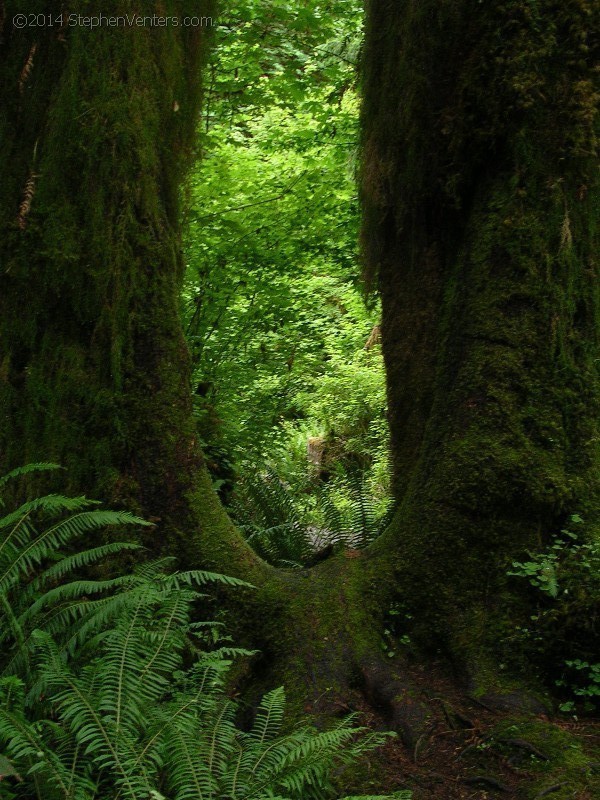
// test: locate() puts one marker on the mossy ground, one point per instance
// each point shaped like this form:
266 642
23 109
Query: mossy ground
471 752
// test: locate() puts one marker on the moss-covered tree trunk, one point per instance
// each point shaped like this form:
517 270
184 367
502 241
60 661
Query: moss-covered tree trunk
97 126
482 204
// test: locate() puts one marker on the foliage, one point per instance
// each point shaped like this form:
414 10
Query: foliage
275 321
353 515
118 697
34 566
567 575
130 722
272 522
285 533
587 687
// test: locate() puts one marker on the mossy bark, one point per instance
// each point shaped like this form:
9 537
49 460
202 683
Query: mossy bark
97 129
482 202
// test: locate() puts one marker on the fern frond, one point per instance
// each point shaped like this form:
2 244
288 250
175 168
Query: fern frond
269 716
18 525
57 536
23 741
81 559
386 519
94 732
111 708
26 469
201 577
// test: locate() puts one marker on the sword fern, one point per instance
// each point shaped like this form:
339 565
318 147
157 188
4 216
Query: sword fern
108 692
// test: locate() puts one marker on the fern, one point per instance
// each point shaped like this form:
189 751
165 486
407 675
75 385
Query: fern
33 538
132 722
272 523
26 469
365 520
278 530
118 697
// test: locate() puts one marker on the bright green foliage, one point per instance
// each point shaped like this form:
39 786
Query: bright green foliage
352 514
276 323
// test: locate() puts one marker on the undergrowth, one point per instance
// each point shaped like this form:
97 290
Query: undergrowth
288 535
109 688
563 633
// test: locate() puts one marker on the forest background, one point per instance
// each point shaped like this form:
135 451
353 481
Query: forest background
276 312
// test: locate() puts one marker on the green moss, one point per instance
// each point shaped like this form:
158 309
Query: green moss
315 629
96 371
571 765
481 201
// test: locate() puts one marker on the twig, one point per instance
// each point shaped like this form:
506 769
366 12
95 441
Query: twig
551 790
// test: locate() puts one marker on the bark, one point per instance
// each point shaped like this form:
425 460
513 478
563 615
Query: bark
97 129
481 198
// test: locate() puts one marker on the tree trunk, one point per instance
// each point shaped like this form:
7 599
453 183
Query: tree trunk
97 129
481 197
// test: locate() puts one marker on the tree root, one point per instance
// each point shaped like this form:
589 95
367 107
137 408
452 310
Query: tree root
486 782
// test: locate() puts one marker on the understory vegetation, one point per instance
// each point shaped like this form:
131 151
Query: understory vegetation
563 635
112 688
287 533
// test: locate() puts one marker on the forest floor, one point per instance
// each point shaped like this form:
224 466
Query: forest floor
474 752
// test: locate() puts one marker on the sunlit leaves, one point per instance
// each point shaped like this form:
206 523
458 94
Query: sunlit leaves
276 323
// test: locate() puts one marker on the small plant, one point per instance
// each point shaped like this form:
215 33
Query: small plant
584 683
397 620
564 627
123 717
271 521
542 571
363 519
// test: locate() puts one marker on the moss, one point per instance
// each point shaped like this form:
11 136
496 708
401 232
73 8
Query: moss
315 630
95 374
481 200
568 763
